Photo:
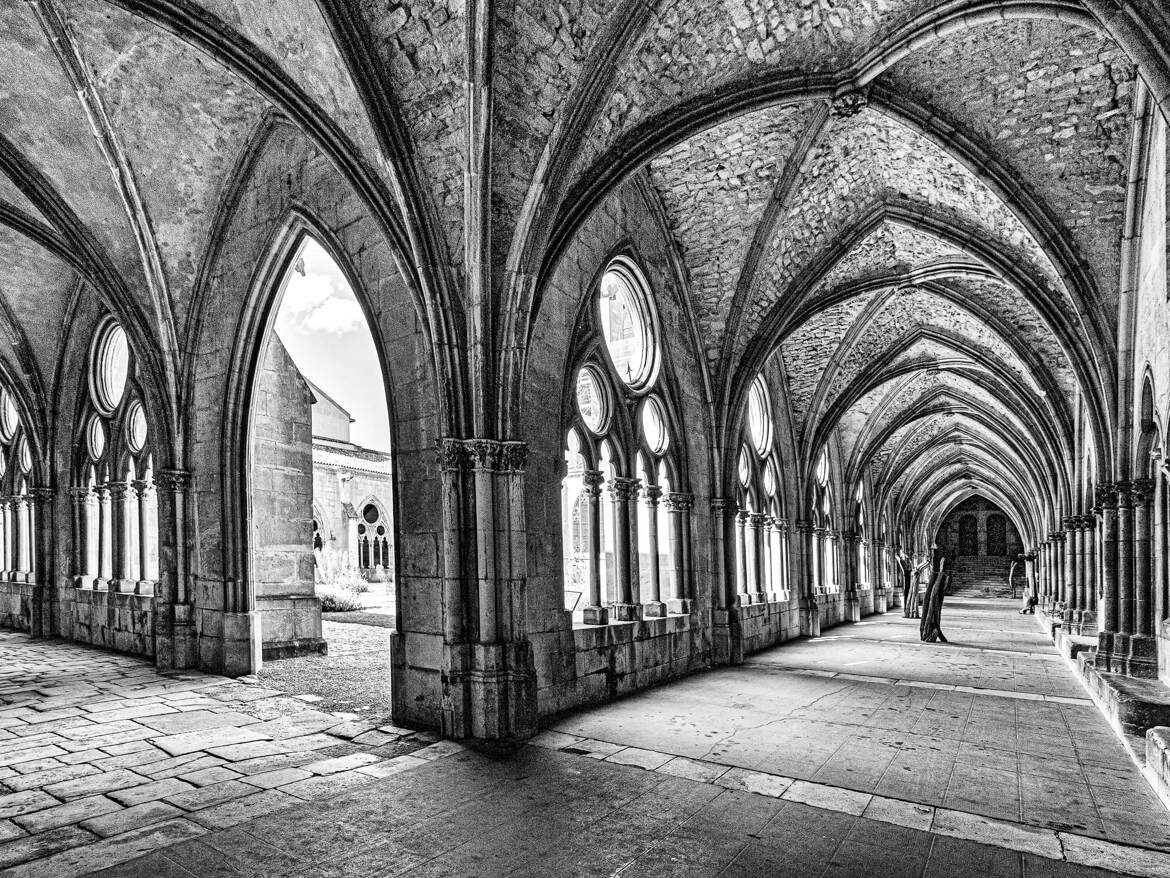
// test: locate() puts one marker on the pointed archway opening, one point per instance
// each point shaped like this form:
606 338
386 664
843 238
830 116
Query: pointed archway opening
984 549
321 494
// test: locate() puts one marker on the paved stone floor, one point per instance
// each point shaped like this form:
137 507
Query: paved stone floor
861 753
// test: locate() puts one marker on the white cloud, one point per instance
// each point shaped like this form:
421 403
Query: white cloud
336 315
315 303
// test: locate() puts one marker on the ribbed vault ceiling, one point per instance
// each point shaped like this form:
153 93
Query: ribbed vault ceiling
933 261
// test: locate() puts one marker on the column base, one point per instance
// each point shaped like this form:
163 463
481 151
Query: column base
488 691
654 610
596 615
852 608
680 606
1134 655
626 612
727 636
810 618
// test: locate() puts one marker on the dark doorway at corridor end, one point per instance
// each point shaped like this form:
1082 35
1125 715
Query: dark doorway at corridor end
982 545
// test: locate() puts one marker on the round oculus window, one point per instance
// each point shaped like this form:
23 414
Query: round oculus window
654 426
9 417
136 428
111 367
591 402
370 513
770 482
97 439
759 423
625 325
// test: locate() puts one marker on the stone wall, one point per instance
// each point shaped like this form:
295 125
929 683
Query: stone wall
124 622
15 606
282 508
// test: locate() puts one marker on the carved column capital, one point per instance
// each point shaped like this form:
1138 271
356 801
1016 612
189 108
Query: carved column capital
42 493
118 490
174 480
720 506
677 501
652 494
1142 492
513 456
1105 496
452 455
623 487
757 519
592 480
1056 537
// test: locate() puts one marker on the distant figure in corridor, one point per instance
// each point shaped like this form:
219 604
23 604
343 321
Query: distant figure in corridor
930 630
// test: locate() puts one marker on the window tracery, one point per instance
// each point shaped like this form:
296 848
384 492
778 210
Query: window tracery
625 524
17 518
761 546
115 499
373 532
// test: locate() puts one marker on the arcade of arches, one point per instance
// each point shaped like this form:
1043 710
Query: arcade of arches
700 324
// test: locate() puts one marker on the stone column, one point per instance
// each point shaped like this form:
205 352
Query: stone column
727 634
852 576
653 606
104 535
487 670
808 580
1082 568
596 613
120 546
741 556
146 536
1107 609
1092 579
1125 589
757 576
678 506
1143 580
622 490
175 639
24 541
1069 567
785 582
881 590
79 499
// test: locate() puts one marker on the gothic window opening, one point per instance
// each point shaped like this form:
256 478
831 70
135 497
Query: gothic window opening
625 524
17 514
373 539
115 502
761 531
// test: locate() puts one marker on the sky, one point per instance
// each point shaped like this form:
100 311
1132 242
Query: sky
325 332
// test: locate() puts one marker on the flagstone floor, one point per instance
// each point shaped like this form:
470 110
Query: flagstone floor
861 753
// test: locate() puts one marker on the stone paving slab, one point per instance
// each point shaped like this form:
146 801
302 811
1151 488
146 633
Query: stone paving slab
103 758
544 812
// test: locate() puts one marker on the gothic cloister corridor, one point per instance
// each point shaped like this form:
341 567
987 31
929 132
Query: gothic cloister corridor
617 437
858 751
